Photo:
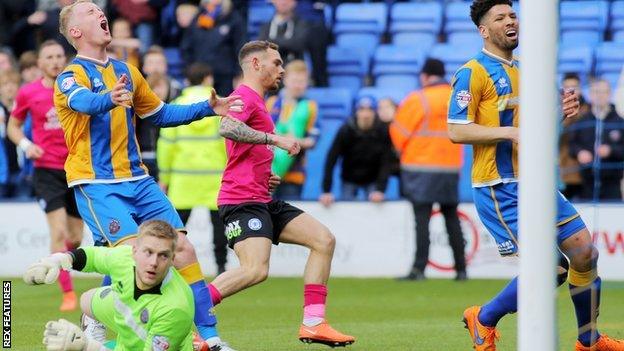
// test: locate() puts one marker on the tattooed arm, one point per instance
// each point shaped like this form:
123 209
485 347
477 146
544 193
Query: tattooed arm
236 130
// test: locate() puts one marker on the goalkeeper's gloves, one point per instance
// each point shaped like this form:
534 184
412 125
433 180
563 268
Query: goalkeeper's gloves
62 335
47 269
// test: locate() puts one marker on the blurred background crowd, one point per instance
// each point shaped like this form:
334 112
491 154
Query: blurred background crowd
353 68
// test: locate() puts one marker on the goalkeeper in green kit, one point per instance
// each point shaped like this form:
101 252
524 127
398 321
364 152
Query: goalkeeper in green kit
148 304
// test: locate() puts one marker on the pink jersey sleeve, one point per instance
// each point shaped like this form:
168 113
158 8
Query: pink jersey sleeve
20 110
247 111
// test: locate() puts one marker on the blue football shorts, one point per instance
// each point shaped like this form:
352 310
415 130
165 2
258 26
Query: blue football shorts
114 211
497 207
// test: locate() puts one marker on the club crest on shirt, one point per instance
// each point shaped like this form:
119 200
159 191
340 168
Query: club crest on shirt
67 83
114 226
97 82
463 98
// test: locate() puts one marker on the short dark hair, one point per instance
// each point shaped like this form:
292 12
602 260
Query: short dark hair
45 44
571 75
433 67
479 8
255 46
197 72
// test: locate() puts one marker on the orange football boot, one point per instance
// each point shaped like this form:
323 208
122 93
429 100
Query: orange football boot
324 334
483 338
70 302
604 343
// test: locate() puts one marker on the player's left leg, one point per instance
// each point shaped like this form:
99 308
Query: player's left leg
219 241
151 203
575 241
306 231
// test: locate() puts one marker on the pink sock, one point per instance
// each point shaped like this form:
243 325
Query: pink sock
65 281
314 297
215 295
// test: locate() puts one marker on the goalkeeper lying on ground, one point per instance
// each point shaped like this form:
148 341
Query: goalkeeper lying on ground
148 304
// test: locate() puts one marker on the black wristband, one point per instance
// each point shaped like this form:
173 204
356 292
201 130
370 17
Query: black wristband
79 259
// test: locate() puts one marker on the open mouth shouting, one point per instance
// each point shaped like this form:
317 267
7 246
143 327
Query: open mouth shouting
104 25
511 34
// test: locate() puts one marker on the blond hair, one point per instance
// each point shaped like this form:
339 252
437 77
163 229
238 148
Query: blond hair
296 66
64 17
158 229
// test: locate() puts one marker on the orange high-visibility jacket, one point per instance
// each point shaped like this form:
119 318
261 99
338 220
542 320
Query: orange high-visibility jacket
419 132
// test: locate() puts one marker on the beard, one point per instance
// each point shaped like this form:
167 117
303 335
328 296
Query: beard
505 43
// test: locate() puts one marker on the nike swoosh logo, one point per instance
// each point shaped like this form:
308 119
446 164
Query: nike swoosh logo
478 339
310 331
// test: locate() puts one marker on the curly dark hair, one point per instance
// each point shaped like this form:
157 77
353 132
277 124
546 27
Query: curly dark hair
479 8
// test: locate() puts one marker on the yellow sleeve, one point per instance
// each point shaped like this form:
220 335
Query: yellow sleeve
466 94
144 100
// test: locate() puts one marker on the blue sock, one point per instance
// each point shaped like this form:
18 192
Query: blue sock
205 320
106 281
586 300
505 302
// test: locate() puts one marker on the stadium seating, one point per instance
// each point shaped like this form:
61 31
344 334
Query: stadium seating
363 41
458 18
378 93
334 103
584 15
361 18
393 59
347 67
422 41
581 38
452 56
258 15
175 63
576 59
609 60
470 39
617 20
315 162
424 17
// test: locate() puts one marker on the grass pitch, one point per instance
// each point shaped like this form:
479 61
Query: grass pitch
382 314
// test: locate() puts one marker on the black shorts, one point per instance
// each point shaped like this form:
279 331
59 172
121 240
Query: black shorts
52 191
255 219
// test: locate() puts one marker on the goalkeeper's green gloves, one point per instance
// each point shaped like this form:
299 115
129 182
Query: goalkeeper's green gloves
47 269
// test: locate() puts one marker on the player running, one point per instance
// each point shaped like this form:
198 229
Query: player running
484 112
49 152
253 220
98 99
149 306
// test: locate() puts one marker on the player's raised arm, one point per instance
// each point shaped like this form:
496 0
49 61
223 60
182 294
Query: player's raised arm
147 105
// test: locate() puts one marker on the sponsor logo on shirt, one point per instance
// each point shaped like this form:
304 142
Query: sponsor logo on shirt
502 82
463 98
144 315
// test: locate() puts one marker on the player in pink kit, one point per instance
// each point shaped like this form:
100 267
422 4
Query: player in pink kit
253 220
48 150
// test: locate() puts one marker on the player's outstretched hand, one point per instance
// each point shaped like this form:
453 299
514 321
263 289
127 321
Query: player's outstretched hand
120 95
62 335
286 143
226 104
274 182
570 104
47 269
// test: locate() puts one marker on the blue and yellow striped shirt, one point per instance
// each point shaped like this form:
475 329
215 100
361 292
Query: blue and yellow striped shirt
100 136
486 92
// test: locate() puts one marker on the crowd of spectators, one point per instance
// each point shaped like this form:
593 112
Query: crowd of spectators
210 32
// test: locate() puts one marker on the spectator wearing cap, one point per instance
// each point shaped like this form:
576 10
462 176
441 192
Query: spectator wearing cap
364 146
430 164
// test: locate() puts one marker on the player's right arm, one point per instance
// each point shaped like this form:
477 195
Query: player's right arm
86 259
72 90
468 90
233 127
14 128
